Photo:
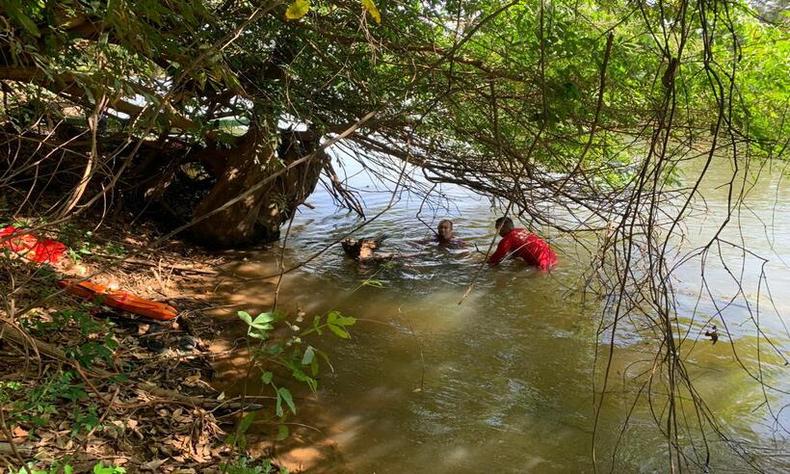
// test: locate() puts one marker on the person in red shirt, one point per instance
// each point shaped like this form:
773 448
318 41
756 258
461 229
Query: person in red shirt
522 243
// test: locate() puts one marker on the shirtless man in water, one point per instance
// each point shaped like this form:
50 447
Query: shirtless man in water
518 242
445 236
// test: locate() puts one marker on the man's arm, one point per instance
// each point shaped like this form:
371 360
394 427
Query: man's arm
423 242
501 252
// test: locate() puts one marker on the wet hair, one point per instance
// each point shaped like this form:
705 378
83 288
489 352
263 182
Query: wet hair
502 221
445 220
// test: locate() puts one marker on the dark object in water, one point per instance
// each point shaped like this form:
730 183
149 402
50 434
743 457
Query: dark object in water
713 334
364 249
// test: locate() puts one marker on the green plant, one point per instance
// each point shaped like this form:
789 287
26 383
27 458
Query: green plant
259 327
6 389
100 468
373 283
79 317
292 353
245 465
43 398
114 249
98 343
78 241
54 469
238 438
36 405
89 352
65 468
85 421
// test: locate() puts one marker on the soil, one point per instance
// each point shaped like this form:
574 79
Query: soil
82 384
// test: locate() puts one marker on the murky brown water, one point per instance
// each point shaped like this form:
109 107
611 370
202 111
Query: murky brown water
503 382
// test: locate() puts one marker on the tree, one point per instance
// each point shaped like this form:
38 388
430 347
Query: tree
222 112
461 89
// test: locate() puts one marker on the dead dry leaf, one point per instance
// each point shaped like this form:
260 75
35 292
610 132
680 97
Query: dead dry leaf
153 465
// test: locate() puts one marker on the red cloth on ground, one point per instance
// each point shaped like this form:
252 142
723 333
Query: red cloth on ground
33 249
528 246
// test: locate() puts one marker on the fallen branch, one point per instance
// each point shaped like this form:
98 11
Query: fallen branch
169 266
7 448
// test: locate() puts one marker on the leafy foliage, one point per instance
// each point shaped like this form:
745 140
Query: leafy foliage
58 468
34 407
297 9
96 342
499 97
247 466
292 353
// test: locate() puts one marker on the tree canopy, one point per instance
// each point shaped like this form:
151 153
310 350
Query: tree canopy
528 101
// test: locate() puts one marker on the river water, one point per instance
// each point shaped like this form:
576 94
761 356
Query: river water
503 382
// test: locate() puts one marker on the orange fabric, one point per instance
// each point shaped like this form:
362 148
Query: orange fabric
120 299
30 247
528 246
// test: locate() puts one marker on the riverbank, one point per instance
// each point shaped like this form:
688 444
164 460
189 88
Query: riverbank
82 384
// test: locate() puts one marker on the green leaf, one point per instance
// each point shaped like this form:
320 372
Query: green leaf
285 394
309 356
278 405
258 334
257 328
370 7
317 325
246 422
337 319
102 469
303 377
262 320
266 378
326 360
339 332
337 324
282 432
297 9
244 316
14 9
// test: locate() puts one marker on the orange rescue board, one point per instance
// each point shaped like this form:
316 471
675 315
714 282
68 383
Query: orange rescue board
120 299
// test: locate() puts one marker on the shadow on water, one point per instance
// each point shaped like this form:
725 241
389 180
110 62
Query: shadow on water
502 382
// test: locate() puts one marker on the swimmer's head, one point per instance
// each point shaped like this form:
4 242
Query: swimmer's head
504 225
445 230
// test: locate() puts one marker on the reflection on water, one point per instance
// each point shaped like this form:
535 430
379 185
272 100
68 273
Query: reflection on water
503 381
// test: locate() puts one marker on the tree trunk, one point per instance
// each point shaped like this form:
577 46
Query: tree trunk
257 217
